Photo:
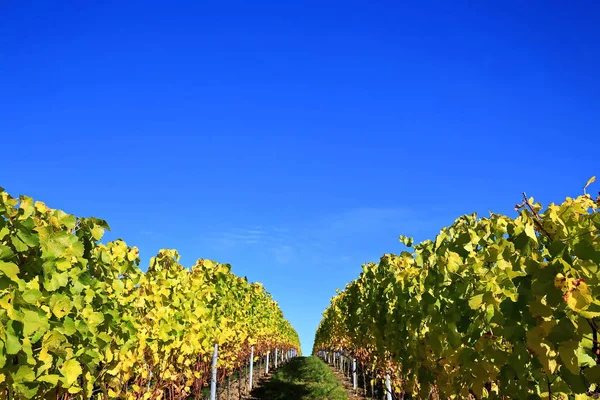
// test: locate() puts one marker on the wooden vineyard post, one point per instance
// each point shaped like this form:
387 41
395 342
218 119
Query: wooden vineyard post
354 375
388 387
251 368
213 380
267 363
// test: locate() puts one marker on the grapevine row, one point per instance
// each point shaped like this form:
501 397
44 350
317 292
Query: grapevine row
494 307
79 319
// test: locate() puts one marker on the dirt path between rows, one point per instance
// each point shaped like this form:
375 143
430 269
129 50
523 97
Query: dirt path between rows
347 383
233 392
259 383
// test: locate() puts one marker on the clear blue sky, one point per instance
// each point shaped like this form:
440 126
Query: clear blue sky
296 140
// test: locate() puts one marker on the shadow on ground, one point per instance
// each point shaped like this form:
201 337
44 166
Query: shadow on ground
302 378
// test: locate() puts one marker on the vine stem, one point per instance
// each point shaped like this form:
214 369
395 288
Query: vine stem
537 219
595 348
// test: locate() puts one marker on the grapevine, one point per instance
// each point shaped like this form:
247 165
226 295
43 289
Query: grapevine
80 319
493 307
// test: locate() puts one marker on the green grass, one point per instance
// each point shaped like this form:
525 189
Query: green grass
302 378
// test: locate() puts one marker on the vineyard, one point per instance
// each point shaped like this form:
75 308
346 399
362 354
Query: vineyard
495 307
80 319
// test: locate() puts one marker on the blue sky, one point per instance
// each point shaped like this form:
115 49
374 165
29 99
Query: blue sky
296 140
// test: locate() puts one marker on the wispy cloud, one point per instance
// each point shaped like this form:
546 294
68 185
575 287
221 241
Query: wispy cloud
330 239
245 236
365 219
283 254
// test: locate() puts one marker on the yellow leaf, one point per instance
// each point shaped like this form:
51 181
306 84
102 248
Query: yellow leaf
589 182
63 265
74 389
71 371
530 232
10 270
560 281
580 297
475 301
108 355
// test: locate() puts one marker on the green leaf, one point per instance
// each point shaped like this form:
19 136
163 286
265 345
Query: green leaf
54 341
10 269
105 337
568 355
13 344
60 305
407 241
28 237
97 232
71 370
24 375
593 374
28 350
56 281
2 355
68 327
587 251
34 321
55 245
26 206
62 264
118 286
95 318
585 358
538 309
19 245
31 296
475 301
52 379
27 391
67 220
5 252
564 331
454 261
575 381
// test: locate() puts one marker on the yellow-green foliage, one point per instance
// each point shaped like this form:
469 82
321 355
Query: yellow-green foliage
78 318
493 307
